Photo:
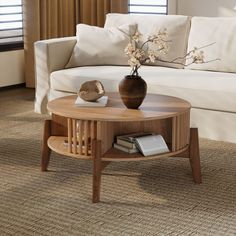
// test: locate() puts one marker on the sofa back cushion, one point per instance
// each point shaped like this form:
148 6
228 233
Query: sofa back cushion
218 30
177 29
99 46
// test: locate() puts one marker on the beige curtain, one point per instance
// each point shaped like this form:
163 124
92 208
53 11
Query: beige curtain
44 19
93 12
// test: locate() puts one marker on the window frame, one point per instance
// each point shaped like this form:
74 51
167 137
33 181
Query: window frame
12 45
150 13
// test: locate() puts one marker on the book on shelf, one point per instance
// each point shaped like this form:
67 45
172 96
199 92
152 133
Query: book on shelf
146 143
125 143
101 102
125 149
128 139
151 144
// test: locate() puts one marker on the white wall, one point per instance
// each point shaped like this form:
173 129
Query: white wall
11 68
206 7
172 7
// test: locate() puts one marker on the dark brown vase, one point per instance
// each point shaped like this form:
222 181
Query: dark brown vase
132 90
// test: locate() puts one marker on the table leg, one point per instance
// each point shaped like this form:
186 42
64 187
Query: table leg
46 151
97 170
194 155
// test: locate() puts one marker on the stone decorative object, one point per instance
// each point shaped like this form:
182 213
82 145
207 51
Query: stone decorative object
91 90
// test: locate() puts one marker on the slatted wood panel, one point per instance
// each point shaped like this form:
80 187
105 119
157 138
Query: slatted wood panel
80 135
82 132
180 131
175 131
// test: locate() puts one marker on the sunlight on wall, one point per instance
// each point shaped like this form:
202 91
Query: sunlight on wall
11 67
207 7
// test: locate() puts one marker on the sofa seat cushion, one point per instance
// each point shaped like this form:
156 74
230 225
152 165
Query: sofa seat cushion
203 89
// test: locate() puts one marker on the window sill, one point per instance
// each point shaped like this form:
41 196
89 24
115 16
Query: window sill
11 46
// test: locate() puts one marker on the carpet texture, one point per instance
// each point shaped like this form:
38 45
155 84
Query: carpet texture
144 198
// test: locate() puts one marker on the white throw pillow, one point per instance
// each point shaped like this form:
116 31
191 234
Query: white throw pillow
177 28
222 31
99 46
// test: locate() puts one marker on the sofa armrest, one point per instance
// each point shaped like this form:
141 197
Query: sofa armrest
50 55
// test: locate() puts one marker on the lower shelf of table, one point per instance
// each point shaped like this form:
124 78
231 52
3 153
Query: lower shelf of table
56 143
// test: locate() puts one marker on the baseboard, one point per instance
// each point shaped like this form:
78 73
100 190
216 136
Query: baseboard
22 85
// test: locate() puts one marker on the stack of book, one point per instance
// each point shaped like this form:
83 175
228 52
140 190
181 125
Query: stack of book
146 143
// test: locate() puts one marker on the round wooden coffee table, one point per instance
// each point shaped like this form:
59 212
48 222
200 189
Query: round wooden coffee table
96 128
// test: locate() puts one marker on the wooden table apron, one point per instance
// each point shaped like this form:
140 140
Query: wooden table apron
96 129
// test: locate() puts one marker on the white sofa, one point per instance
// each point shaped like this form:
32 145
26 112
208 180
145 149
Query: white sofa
211 93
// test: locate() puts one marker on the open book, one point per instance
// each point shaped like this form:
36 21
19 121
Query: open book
151 144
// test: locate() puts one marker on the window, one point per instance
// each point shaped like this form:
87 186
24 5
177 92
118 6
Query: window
11 25
159 7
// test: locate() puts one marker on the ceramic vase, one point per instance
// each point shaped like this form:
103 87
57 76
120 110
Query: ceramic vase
132 91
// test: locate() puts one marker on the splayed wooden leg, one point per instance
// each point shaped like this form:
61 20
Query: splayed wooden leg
97 170
46 151
194 156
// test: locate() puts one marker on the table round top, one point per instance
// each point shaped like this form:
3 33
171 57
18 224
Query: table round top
153 107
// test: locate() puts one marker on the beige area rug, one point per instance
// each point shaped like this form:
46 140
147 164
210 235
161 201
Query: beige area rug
144 198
